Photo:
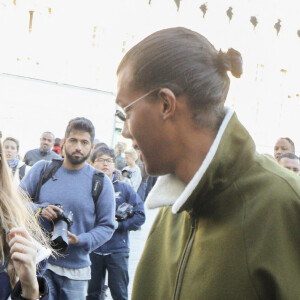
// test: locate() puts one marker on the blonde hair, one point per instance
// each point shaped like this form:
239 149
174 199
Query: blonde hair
132 153
15 211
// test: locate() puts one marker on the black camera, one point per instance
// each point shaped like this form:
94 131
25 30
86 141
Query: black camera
126 173
124 211
59 240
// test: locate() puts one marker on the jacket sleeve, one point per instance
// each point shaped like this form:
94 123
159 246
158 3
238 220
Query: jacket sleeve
43 287
105 219
138 218
30 181
272 242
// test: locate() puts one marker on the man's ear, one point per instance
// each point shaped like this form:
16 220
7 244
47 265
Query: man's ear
168 103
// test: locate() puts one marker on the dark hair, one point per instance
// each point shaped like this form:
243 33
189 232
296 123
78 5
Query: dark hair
81 124
101 145
102 151
13 140
288 155
187 63
289 141
57 142
49 132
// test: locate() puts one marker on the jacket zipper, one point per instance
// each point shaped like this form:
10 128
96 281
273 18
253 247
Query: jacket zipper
185 256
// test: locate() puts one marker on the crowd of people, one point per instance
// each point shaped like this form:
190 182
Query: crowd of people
229 217
98 230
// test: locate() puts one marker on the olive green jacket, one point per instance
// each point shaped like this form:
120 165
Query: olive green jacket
232 233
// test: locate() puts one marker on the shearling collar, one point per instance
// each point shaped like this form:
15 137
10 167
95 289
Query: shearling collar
170 191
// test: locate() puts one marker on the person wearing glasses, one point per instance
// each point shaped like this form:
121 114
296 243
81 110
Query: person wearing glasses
113 255
230 218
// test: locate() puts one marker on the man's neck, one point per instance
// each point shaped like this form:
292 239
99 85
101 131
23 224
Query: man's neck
131 165
195 152
44 151
68 165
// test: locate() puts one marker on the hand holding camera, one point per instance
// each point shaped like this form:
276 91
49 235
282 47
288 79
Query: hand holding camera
124 211
72 238
61 236
50 212
127 173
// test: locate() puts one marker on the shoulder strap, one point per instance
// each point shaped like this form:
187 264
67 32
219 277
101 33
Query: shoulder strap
51 169
97 185
47 172
22 172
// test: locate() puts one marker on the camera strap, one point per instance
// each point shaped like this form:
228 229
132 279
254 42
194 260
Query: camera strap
47 172
97 185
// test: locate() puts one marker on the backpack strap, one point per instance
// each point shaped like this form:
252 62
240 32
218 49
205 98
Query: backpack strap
22 172
47 172
97 185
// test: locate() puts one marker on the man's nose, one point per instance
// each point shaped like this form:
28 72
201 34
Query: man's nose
125 131
78 146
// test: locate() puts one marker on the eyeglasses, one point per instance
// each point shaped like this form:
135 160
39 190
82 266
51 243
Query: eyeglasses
122 116
102 160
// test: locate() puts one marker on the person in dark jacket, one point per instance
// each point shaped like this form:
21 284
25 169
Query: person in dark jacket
44 152
21 241
119 160
113 255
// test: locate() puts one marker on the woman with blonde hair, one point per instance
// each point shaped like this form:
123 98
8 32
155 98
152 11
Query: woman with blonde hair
21 241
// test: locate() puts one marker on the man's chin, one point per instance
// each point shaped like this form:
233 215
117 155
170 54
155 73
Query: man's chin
77 161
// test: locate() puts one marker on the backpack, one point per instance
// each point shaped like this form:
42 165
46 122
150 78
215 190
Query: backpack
49 171
22 172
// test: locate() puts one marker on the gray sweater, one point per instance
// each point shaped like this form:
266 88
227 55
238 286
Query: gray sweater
35 155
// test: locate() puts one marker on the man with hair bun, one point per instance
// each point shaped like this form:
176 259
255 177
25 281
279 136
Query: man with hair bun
229 222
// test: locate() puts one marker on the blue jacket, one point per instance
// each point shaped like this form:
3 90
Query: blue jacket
120 239
5 288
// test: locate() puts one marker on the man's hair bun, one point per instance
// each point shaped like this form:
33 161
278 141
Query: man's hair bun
231 61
